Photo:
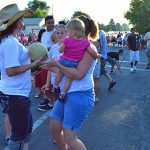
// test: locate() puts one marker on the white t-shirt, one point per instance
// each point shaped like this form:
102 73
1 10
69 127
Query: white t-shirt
46 39
54 53
84 84
147 35
13 54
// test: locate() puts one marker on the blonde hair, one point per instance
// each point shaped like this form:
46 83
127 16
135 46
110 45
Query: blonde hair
76 27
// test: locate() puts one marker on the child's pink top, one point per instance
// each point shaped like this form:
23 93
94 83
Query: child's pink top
75 48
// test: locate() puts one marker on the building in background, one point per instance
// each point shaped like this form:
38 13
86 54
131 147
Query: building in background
33 25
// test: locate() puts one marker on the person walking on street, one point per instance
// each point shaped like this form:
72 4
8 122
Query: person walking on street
103 52
133 43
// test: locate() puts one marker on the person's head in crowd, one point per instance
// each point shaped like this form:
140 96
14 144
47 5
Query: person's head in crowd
60 33
40 34
132 30
120 51
75 28
49 23
91 28
62 22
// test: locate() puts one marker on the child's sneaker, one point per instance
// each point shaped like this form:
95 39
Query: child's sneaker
62 97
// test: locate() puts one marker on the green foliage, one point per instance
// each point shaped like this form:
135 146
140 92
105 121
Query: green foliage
79 13
138 15
125 27
39 8
40 13
118 27
112 25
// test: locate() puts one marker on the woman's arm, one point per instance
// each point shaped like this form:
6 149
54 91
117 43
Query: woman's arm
75 73
13 71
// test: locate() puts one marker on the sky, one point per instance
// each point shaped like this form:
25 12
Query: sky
99 10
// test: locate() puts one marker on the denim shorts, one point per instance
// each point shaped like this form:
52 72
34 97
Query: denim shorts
96 73
102 69
68 63
75 110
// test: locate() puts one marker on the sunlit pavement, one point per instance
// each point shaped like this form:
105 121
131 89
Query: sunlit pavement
119 121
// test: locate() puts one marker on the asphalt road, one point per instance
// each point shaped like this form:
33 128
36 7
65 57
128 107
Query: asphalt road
119 121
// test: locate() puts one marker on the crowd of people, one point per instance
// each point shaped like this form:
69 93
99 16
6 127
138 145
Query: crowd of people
120 39
68 80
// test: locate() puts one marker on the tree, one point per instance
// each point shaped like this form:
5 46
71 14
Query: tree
138 15
79 13
125 27
118 27
112 24
101 26
39 8
108 28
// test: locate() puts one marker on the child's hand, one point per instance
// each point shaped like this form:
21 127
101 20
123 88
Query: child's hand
45 88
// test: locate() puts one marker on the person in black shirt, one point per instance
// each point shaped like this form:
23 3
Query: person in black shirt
113 59
133 42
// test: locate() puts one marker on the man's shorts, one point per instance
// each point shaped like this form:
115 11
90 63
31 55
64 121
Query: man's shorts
134 55
111 60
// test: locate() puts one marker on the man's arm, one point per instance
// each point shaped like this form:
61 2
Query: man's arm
146 38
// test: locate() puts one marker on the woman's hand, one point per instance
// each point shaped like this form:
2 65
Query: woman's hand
49 63
39 61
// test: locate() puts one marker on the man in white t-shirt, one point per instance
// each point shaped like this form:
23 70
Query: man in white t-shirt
48 36
147 39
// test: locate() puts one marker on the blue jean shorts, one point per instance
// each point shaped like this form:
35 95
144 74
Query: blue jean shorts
96 73
68 63
103 64
75 110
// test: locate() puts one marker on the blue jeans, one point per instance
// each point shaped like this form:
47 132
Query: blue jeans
21 121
